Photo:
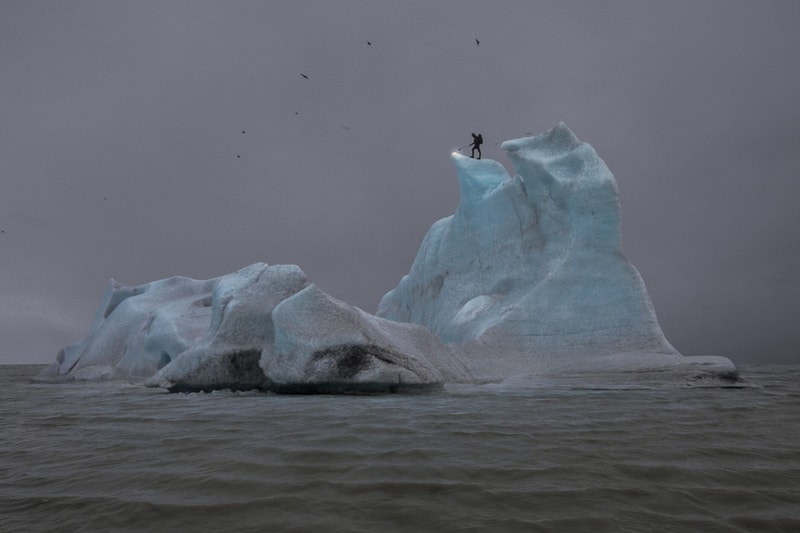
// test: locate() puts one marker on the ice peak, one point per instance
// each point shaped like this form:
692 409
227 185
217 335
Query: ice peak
477 178
556 140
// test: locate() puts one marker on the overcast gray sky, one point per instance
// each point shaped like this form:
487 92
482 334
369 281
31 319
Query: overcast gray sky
122 152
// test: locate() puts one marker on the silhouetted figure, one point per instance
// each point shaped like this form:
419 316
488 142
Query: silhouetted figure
477 141
306 77
477 42
369 43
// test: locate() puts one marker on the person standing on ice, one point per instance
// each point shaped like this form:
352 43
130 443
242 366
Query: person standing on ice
477 141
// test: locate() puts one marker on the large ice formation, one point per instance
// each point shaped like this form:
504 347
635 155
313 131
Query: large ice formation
527 278
264 327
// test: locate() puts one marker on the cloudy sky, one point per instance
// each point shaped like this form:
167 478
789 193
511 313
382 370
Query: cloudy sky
141 140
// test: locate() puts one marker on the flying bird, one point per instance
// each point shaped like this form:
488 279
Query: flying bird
477 42
369 43
306 77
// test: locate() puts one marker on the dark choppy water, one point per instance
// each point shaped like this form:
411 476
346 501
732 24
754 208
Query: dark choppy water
118 457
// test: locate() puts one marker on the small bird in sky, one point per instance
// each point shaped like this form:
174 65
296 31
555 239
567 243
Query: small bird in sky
369 43
242 131
306 77
477 42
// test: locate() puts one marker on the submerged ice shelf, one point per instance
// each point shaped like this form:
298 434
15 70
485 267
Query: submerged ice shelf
526 278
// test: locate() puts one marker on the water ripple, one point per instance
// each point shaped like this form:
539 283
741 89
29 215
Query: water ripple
118 457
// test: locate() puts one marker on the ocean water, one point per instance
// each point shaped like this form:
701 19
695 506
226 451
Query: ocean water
527 457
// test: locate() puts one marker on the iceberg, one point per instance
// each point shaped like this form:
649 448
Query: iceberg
527 278
261 328
530 268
